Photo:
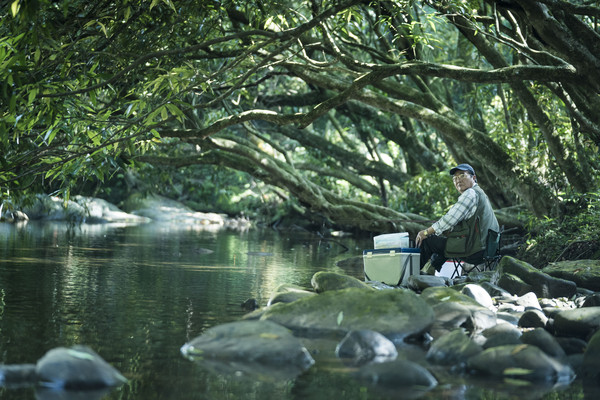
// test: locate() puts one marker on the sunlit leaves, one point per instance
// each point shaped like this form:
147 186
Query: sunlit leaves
14 7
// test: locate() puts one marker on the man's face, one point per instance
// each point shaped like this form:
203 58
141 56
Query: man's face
463 180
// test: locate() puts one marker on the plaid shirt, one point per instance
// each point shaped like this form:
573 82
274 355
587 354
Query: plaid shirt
464 208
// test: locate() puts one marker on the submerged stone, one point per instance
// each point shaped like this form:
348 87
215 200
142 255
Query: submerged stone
399 374
255 347
454 349
17 375
521 362
78 368
366 346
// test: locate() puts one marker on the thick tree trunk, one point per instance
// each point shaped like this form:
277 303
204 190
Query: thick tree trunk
562 156
340 210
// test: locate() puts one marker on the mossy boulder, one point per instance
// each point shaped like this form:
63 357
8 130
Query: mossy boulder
454 349
585 273
397 313
578 322
252 347
76 368
439 294
324 281
542 284
591 360
287 293
513 284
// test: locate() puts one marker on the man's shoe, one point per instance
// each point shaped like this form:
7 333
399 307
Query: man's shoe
428 269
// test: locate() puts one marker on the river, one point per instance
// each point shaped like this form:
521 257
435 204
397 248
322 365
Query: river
136 294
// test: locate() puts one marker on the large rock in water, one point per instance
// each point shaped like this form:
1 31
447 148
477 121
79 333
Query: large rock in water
523 362
76 368
365 346
585 273
591 360
543 285
254 347
397 313
578 322
453 310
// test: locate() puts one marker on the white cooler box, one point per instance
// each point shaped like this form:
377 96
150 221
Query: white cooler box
391 266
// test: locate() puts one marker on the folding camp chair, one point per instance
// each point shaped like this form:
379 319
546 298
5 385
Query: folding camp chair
486 261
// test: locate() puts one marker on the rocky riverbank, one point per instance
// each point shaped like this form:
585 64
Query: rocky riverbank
137 209
513 326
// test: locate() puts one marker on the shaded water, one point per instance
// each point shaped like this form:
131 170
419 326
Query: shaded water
136 294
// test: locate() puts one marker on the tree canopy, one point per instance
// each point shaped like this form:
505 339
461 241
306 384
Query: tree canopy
351 108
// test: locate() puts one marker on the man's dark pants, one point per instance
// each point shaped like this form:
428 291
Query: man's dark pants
433 247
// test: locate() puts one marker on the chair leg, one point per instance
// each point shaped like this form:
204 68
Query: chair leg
457 264
492 263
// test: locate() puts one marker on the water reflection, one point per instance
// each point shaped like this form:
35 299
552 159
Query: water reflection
136 294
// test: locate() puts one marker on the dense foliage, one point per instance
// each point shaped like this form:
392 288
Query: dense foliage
575 235
350 111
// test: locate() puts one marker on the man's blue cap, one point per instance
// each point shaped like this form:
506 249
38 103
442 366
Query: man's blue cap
463 167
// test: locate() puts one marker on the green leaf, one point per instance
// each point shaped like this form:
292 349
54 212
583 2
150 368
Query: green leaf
170 4
340 318
13 103
103 27
94 137
14 8
176 111
517 371
50 134
31 96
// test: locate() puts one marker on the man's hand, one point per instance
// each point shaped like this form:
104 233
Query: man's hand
420 237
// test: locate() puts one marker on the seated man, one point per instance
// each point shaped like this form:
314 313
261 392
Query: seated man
472 213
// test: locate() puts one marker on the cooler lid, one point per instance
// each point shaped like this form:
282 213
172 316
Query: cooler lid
395 249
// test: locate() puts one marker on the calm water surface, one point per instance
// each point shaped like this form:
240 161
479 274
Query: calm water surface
136 294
